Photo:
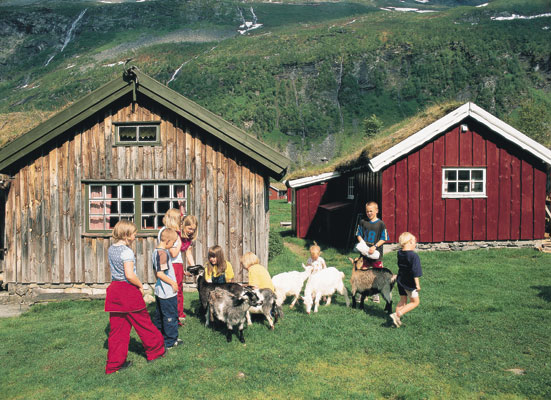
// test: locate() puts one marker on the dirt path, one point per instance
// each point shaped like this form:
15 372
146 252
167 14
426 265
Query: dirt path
12 310
298 250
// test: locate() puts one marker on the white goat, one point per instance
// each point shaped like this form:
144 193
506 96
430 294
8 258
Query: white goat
324 283
290 284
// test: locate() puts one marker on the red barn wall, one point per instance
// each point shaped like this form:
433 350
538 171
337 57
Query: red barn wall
514 208
274 194
307 201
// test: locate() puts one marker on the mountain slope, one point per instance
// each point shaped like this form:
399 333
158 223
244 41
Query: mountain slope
307 78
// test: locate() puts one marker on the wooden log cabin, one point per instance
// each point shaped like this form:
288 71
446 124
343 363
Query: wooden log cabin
130 150
468 176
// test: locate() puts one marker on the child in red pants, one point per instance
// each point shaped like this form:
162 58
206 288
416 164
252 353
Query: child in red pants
125 305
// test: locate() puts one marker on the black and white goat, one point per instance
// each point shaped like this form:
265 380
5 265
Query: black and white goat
232 309
269 308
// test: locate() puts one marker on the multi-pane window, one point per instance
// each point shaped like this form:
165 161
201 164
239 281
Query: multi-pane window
143 203
463 182
108 204
350 188
157 198
138 134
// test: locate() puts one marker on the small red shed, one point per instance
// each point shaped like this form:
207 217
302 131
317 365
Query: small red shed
278 191
468 176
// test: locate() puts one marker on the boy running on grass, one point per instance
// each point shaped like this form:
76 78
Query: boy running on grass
409 272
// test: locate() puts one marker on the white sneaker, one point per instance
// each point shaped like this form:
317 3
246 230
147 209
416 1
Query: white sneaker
375 298
395 320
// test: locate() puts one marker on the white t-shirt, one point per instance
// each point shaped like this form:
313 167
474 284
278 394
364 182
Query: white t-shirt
318 265
178 245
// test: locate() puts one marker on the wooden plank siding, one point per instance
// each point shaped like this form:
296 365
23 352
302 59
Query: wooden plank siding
513 208
46 202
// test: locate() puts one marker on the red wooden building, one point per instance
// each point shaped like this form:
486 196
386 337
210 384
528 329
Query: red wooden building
278 191
466 177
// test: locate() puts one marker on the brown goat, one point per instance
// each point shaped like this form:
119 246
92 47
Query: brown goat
368 282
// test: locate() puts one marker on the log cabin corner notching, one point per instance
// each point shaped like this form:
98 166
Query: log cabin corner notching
466 177
131 149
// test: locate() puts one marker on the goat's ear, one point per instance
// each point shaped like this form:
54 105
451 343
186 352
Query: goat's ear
303 266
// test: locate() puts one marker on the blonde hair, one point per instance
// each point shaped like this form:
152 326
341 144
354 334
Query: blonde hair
168 234
216 251
248 259
372 203
123 230
405 238
172 219
315 247
189 220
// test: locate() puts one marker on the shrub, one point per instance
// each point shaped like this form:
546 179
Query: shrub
275 245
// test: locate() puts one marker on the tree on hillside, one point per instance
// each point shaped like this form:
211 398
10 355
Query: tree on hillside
535 121
372 125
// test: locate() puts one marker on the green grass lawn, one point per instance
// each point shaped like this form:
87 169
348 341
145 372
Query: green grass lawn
482 313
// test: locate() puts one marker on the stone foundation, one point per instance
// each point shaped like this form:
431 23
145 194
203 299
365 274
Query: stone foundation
460 246
31 293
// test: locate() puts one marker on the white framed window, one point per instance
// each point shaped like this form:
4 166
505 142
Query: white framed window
143 203
350 188
137 133
463 182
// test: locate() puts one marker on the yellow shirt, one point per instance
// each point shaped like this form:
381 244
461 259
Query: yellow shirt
229 272
260 277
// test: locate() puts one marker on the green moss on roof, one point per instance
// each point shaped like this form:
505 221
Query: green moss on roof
381 142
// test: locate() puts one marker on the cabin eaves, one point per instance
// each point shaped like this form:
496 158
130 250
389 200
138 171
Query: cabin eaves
467 110
136 82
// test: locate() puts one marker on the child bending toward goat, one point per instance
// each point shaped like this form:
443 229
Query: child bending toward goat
259 277
218 270
409 272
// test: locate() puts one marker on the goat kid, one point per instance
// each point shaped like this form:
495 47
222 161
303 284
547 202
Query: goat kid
204 288
324 283
371 281
232 309
290 284
269 308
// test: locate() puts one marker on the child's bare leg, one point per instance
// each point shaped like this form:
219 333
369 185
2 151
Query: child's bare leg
401 304
414 302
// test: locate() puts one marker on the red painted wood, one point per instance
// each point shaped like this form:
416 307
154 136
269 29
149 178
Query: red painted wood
539 203
389 202
504 216
401 197
438 205
413 194
465 148
527 201
515 199
452 148
479 150
302 212
425 194
479 205
466 219
479 219
451 232
492 190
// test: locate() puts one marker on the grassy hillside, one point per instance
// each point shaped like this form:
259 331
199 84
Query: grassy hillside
312 71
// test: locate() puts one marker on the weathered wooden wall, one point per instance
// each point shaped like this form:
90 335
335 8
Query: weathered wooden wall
45 209
514 208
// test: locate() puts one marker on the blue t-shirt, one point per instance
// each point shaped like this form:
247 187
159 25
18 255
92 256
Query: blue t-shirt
371 232
118 255
162 262
409 267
